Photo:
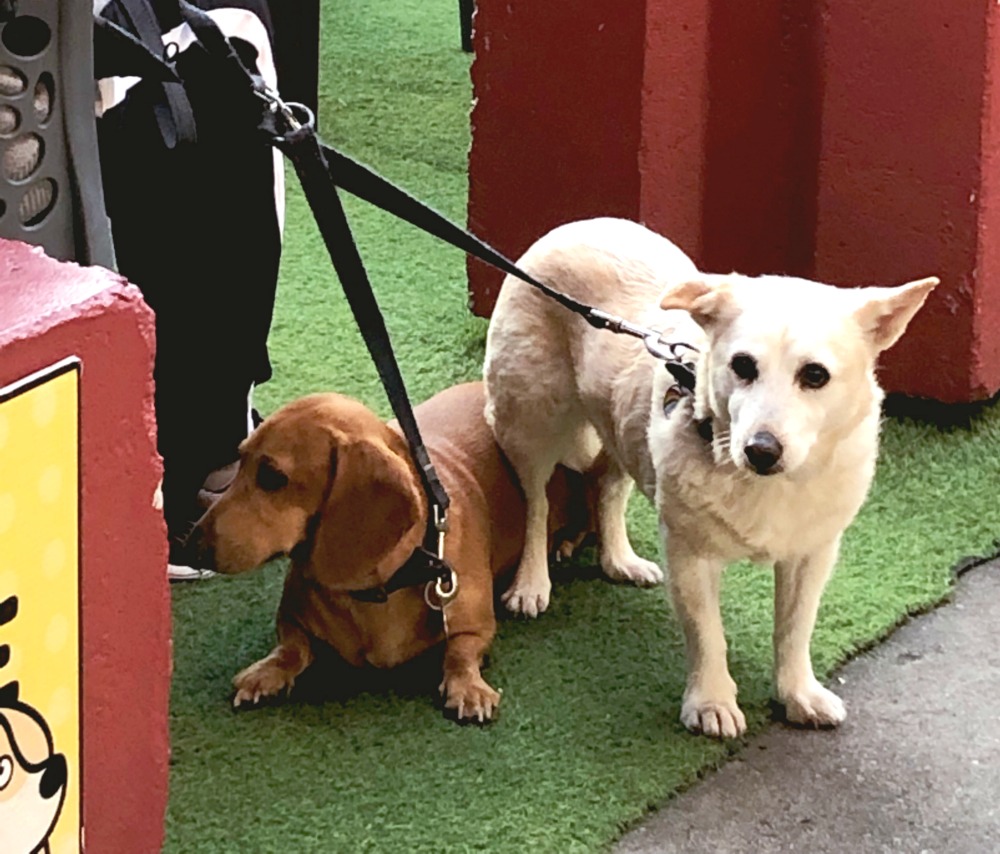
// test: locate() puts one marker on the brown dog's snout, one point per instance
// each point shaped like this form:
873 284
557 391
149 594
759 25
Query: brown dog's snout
763 452
198 551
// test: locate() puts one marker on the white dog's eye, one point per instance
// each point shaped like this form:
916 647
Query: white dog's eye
6 771
744 366
813 375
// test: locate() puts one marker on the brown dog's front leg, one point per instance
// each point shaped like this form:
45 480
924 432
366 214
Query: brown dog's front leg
463 686
276 672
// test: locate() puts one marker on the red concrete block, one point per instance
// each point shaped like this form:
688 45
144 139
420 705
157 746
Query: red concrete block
850 142
81 547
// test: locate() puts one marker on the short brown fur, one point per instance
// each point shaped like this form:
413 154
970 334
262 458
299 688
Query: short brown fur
352 512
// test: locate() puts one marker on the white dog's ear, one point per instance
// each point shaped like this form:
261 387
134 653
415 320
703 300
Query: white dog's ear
885 313
707 301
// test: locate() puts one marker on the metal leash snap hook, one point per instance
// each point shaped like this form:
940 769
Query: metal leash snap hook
657 347
289 110
439 592
441 525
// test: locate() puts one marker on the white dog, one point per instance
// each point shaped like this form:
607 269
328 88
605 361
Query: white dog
770 459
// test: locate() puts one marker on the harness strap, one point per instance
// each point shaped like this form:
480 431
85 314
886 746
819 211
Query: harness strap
118 53
682 369
422 567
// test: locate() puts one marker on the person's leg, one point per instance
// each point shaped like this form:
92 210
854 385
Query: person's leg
196 227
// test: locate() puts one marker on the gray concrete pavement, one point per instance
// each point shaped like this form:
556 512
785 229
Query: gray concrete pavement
915 768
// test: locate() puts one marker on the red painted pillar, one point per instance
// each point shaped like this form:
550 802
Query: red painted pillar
907 169
78 471
847 141
673 152
546 74
730 127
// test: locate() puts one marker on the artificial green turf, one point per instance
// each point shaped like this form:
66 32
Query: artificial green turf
588 738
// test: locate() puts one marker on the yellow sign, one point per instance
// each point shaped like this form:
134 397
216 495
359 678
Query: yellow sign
40 665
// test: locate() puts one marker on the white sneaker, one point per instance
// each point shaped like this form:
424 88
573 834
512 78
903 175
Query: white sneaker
176 572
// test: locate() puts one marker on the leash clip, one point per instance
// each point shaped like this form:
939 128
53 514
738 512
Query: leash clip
667 351
276 104
439 592
441 525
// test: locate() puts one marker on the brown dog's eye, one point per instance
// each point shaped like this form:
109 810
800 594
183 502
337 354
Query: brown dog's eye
744 366
813 375
269 478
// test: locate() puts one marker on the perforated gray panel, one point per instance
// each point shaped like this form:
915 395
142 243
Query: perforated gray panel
49 170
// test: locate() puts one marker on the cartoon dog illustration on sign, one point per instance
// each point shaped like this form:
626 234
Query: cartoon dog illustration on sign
32 775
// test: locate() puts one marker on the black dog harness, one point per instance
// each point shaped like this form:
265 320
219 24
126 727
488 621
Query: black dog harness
423 567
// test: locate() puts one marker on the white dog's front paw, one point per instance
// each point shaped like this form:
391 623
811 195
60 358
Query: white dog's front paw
529 598
714 718
711 708
813 705
634 569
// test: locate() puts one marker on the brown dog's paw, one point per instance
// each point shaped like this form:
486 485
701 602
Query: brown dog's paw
470 697
261 680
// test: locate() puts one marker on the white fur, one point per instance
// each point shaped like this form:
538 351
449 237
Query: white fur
559 391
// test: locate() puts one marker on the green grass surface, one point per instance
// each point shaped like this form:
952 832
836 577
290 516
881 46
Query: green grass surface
588 739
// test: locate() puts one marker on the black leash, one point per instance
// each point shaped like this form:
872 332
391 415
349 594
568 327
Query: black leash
362 182
298 141
321 170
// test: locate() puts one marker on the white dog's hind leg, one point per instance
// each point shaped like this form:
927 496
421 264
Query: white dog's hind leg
709 704
529 593
798 586
618 559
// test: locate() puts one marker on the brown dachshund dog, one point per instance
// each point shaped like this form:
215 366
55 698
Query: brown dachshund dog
325 481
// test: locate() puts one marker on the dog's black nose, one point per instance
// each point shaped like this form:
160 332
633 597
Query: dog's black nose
763 452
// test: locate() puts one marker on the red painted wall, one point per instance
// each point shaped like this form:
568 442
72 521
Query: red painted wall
49 311
850 142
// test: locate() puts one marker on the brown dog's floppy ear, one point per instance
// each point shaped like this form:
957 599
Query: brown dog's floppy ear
707 301
886 312
372 519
